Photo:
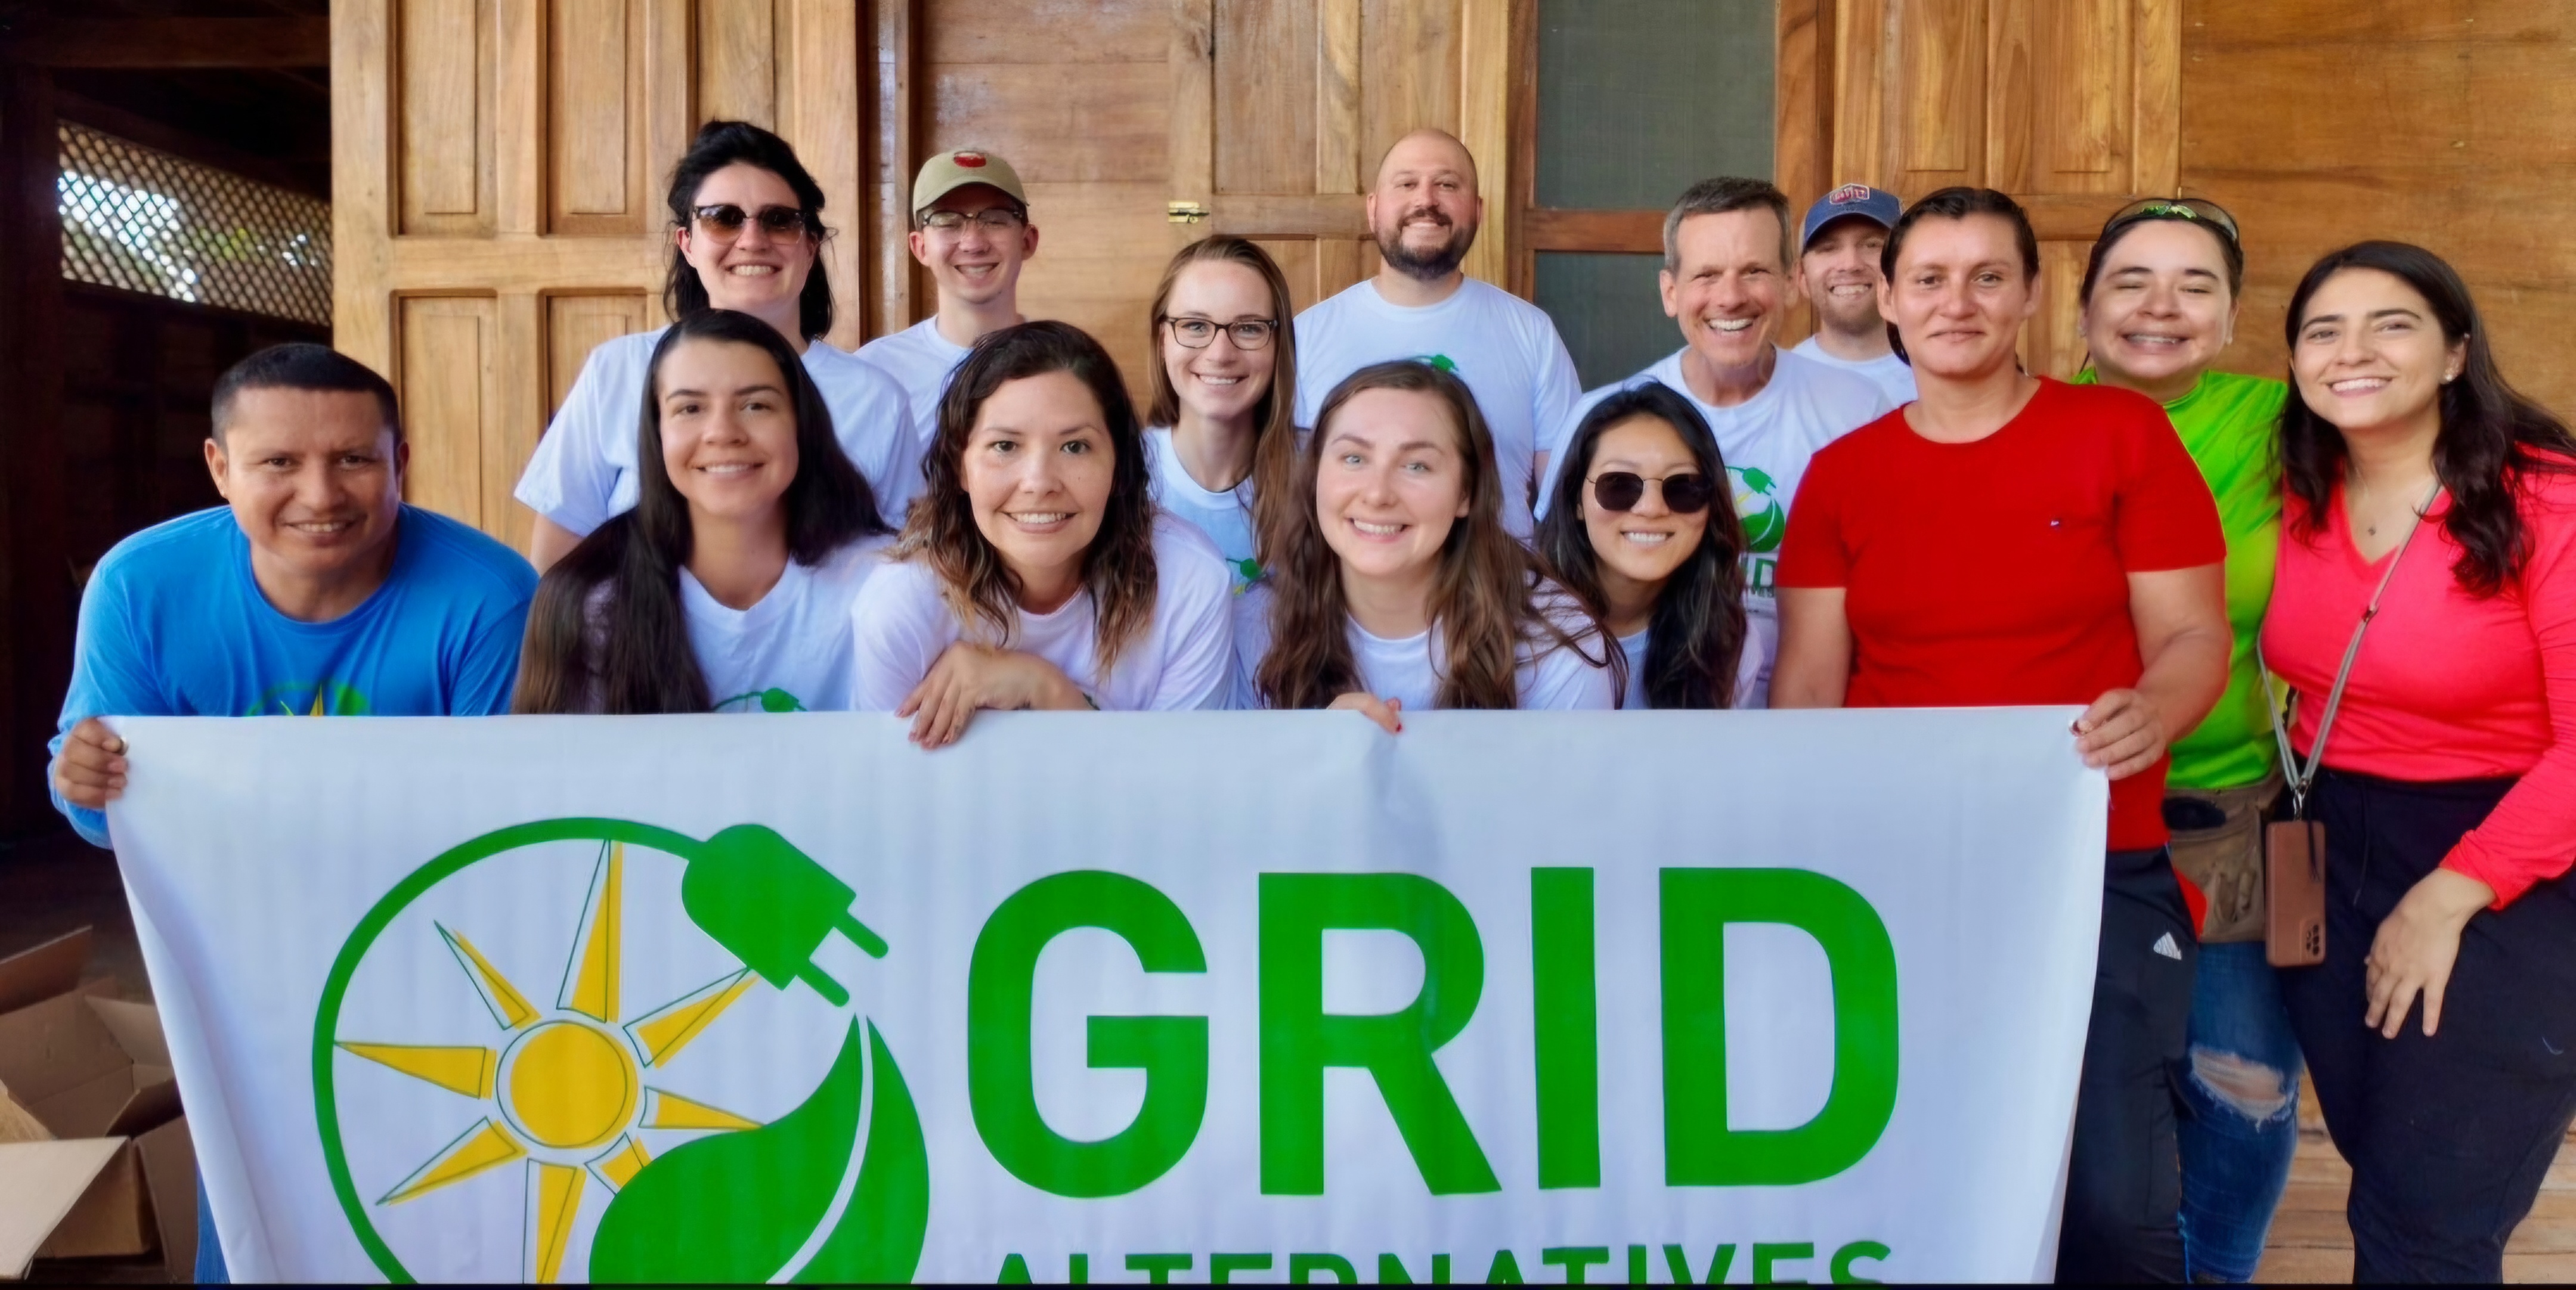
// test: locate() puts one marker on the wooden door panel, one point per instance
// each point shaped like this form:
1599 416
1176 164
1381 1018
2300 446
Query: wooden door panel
445 377
442 53
577 323
738 61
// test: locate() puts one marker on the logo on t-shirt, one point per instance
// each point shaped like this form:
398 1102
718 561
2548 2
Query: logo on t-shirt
310 699
1441 361
1766 518
772 699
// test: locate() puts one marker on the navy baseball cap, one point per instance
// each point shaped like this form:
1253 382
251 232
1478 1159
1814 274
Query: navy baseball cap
1876 205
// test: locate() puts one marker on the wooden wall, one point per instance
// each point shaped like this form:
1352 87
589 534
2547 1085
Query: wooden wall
2450 123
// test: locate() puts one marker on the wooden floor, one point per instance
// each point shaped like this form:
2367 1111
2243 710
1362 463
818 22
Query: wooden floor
2311 1243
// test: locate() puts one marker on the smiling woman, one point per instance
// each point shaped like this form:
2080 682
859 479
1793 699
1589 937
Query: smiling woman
728 587
1035 572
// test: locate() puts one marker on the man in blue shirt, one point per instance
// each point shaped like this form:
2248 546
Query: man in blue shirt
314 592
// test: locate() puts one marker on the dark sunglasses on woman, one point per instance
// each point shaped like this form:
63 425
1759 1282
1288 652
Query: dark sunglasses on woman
1621 490
724 221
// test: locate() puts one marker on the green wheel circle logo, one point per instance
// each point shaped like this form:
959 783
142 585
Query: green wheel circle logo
835 1190
1758 504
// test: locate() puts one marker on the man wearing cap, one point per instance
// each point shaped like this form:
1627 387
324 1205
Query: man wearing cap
1726 281
1838 271
1423 211
971 229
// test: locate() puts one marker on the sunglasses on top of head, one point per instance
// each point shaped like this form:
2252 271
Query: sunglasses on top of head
2196 210
724 221
1684 494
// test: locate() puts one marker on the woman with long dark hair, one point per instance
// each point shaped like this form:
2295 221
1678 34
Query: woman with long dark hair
1222 431
1397 588
2160 303
728 587
1641 530
2008 539
746 232
2433 506
1035 571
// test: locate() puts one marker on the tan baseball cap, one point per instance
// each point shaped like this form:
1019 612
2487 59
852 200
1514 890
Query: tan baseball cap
950 171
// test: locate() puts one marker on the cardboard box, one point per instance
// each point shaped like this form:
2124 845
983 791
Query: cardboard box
114 1175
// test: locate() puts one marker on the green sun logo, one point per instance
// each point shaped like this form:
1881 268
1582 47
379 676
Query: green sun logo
1758 505
580 1091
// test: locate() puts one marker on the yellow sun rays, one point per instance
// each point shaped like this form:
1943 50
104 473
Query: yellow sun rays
565 1084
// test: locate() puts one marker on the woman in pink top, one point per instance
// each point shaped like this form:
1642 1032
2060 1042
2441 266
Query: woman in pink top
2448 793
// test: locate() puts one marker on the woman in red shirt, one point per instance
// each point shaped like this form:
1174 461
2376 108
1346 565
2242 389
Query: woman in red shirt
2448 792
2007 539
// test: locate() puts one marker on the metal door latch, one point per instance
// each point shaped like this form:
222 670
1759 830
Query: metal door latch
1185 212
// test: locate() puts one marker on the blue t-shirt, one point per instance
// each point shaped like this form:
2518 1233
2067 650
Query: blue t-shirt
174 625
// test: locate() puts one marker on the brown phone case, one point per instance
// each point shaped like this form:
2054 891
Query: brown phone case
2294 890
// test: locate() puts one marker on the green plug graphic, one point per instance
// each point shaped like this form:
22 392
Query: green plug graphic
771 906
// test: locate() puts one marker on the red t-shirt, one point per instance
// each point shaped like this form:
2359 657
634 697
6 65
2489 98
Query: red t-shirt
2447 685
1995 573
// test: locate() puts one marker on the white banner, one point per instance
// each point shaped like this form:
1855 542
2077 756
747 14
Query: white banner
1261 997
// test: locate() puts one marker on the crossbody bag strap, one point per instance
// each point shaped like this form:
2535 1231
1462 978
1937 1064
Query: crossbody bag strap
2302 778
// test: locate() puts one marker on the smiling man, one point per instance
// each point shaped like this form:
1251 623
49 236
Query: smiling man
1838 272
1424 211
314 592
971 229
1726 281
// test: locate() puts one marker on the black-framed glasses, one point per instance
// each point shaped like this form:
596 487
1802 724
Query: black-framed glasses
1684 494
995 220
724 221
2195 209
1246 333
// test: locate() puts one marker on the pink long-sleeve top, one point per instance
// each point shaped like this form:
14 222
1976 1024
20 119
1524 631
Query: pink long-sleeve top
2447 686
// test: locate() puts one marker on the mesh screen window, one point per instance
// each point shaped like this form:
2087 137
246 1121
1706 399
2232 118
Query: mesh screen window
147 221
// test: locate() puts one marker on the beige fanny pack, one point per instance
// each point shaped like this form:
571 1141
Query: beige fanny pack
2226 860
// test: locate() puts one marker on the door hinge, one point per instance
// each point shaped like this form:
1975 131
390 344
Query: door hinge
1185 212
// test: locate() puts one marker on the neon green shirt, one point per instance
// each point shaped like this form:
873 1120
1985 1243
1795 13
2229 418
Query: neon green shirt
2231 426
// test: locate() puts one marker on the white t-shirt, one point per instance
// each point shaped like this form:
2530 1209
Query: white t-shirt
791 651
1557 679
1225 519
1766 442
1186 659
1505 348
1893 376
583 472
1748 673
921 361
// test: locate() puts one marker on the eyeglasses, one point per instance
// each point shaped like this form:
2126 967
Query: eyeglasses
724 221
2193 209
996 220
1246 333
1684 494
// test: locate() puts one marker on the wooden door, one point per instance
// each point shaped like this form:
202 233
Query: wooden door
2071 106
497 171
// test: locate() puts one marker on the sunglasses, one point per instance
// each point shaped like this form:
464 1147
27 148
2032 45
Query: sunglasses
1621 490
2193 209
724 222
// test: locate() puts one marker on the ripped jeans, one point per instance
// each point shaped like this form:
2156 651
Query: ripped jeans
2240 1126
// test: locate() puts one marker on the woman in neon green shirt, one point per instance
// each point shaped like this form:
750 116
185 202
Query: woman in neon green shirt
2160 303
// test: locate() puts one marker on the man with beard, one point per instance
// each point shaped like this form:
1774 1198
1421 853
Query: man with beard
1838 272
1424 211
1726 281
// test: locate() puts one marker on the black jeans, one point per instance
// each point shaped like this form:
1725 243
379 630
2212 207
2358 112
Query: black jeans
2123 1219
2448 1137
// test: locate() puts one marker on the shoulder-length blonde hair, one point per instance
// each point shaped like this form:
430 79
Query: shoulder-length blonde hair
1274 445
1118 569
1484 604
